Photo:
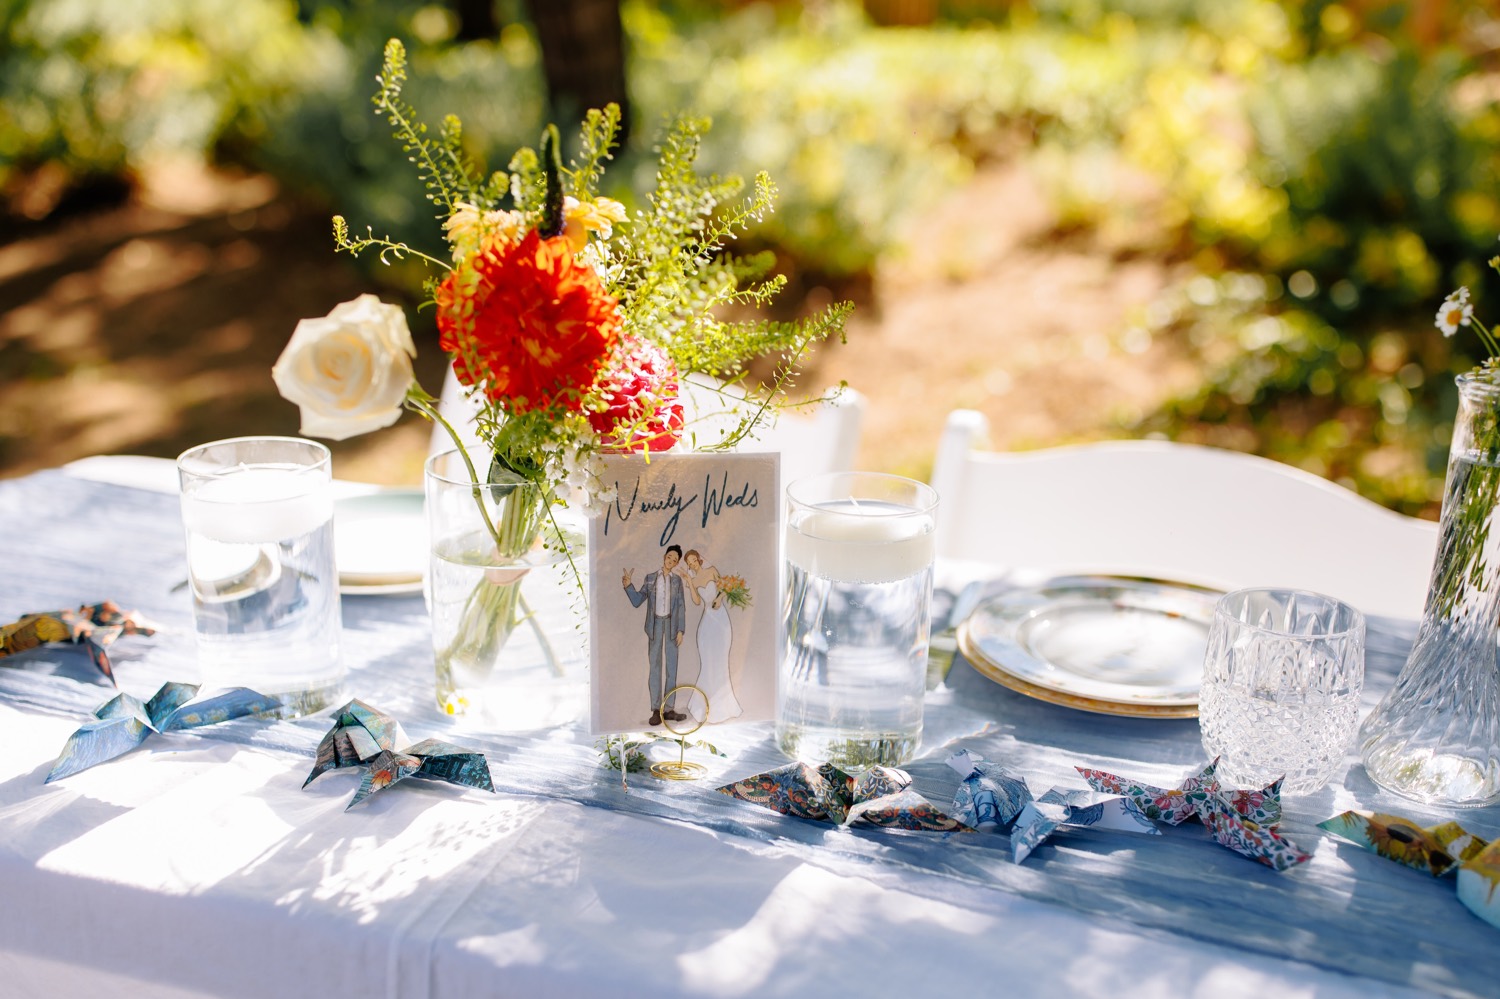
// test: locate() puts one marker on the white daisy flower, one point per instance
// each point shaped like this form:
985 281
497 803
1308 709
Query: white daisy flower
1454 312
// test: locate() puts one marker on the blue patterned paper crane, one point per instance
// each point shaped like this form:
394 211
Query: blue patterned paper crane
363 736
991 797
124 722
989 794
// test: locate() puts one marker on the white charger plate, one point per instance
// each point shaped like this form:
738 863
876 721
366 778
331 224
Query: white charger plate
380 542
1110 645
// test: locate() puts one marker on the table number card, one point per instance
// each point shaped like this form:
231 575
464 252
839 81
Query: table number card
683 590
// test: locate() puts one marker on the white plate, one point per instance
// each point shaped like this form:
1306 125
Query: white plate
380 542
1105 644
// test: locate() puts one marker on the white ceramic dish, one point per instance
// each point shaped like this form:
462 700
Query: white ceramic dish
1105 644
380 542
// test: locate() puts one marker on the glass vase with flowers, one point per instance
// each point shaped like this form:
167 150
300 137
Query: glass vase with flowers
572 322
1435 736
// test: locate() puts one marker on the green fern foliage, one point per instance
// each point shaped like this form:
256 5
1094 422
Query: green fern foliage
667 265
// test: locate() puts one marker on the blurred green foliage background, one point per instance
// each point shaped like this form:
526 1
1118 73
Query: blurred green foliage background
1327 171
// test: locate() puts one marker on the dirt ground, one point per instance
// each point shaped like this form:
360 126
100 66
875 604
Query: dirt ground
151 325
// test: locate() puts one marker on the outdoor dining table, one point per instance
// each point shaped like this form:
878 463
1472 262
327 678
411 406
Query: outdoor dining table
199 865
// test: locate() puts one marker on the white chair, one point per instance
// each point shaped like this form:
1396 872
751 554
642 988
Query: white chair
819 438
1175 511
822 439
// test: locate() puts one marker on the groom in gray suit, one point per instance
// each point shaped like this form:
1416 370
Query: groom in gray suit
666 616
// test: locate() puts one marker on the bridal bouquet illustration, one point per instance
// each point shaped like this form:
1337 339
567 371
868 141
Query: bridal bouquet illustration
735 591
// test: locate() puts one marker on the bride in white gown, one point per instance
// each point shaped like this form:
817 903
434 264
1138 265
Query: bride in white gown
714 637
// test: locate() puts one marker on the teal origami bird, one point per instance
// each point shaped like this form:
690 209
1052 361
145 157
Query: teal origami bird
363 736
124 722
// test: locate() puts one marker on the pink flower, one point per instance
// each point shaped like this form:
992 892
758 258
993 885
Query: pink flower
641 411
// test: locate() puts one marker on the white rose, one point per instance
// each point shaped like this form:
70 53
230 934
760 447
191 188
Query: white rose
349 371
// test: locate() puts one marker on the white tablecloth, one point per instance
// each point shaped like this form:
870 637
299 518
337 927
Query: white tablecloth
198 865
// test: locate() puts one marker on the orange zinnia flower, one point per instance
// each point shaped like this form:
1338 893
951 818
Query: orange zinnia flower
527 323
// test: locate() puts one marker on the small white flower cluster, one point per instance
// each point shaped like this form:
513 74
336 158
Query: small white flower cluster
596 256
573 460
1455 311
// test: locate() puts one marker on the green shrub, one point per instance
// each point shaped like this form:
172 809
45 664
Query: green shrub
101 86
1387 186
1329 188
330 143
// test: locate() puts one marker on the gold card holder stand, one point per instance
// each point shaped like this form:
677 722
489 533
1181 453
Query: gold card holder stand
680 768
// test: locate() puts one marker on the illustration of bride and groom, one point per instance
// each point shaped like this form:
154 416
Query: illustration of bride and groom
662 591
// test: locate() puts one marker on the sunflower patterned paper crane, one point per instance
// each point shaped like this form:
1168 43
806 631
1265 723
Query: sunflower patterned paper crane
1479 884
1434 850
1439 850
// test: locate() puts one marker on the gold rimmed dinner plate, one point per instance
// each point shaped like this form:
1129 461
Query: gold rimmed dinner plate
1105 644
380 543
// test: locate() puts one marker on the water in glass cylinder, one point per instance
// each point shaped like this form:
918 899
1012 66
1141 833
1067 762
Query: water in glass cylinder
264 583
857 614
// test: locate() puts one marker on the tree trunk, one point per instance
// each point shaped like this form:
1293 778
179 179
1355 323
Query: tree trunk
476 20
583 56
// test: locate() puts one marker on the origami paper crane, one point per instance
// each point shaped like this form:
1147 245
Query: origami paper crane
993 797
1178 804
93 626
1243 821
990 795
1435 850
1439 850
123 722
882 796
798 789
365 737
1234 829
1043 816
1479 884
